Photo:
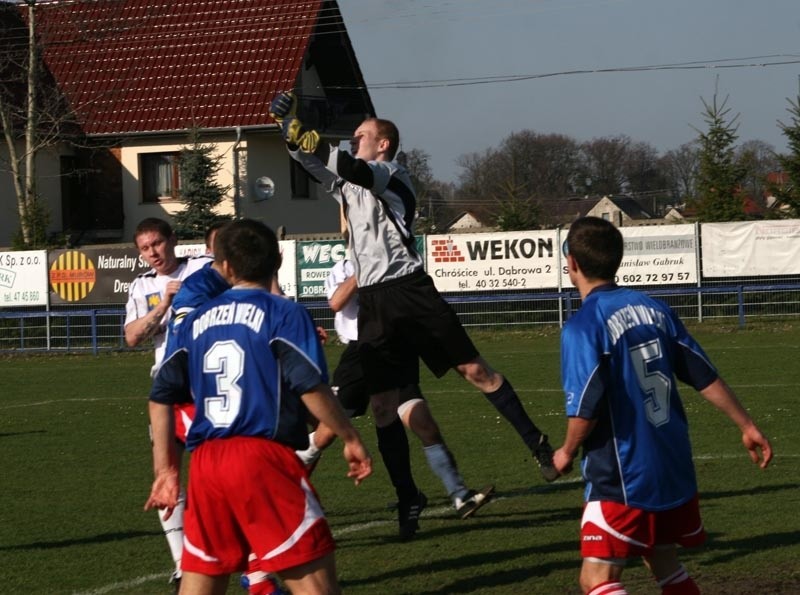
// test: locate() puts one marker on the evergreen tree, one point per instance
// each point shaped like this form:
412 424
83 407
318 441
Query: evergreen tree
199 189
720 176
787 192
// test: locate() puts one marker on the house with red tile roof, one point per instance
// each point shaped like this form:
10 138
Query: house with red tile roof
138 75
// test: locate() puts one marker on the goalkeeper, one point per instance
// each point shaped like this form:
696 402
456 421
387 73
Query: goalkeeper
402 315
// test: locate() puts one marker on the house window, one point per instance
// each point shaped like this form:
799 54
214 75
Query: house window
301 181
160 176
607 216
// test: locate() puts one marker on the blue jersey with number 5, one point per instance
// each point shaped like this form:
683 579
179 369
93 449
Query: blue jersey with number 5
620 355
247 356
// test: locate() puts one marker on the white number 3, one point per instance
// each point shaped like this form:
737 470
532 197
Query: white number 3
225 359
654 383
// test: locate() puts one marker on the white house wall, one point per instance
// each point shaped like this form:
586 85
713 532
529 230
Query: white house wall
267 156
48 185
135 209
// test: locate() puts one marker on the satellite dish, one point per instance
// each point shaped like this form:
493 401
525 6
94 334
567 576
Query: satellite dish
265 188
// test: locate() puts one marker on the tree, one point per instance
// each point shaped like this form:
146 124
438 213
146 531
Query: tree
787 193
199 189
603 162
515 208
720 176
32 115
680 169
758 159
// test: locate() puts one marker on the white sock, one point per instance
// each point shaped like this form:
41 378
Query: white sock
310 454
173 529
444 466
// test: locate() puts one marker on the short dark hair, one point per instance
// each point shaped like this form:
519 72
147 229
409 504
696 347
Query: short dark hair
597 246
387 130
214 227
250 248
153 224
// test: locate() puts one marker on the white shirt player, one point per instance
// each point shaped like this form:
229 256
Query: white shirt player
345 320
147 291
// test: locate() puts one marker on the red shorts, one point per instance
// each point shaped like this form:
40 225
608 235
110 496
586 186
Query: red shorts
250 495
613 530
184 414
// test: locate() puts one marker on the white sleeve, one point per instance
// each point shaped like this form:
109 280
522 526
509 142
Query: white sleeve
336 276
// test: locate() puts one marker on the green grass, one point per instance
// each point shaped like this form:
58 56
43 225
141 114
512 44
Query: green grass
76 458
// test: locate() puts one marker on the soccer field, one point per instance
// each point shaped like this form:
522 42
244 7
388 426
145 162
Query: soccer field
77 470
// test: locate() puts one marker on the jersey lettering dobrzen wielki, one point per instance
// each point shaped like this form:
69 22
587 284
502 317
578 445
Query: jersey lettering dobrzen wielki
620 354
245 358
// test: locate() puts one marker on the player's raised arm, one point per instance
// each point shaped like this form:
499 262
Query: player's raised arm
723 398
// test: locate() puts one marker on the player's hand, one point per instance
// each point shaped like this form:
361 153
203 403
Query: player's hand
358 461
164 492
173 287
296 135
282 106
562 461
756 443
323 335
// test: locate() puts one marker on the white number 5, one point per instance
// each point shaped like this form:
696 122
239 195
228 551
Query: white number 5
225 359
654 383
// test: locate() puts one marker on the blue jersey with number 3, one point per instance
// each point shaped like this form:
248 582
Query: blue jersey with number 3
620 355
247 357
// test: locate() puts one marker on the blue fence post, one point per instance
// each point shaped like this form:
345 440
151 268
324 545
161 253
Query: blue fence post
740 296
94 332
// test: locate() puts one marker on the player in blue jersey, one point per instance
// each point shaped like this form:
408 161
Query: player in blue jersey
620 356
254 366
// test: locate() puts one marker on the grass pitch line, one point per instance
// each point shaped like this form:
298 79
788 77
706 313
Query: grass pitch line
73 400
125 584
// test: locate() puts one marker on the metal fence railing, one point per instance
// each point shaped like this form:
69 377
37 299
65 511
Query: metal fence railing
92 329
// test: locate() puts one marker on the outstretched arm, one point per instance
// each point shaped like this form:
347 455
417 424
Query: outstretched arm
723 398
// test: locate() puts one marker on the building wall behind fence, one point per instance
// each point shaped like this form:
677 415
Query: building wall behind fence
74 299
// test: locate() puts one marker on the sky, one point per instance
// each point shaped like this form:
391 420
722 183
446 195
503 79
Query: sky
744 50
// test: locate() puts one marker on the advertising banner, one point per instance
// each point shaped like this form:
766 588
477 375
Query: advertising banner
23 278
93 275
658 255
751 248
493 261
314 260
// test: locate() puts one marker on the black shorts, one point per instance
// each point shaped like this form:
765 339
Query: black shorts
351 388
402 320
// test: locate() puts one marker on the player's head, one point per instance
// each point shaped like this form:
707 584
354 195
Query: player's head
156 243
249 250
596 245
375 140
211 234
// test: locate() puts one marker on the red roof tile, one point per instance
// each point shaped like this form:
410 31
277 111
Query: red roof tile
129 66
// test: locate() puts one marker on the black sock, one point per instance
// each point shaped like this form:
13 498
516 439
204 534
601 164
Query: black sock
393 446
506 401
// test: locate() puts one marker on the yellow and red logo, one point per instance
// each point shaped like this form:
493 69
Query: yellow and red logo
72 276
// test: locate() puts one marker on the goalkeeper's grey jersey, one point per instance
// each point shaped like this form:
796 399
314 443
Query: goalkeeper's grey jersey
379 218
